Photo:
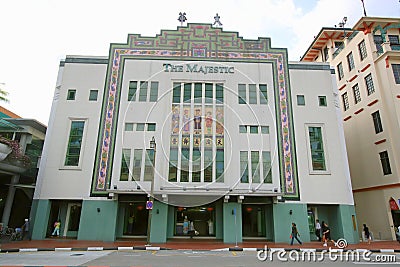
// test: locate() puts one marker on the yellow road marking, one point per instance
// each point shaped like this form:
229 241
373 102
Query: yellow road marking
234 253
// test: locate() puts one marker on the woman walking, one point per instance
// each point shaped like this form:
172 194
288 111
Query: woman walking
294 234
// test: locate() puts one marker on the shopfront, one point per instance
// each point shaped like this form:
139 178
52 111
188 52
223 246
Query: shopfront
202 218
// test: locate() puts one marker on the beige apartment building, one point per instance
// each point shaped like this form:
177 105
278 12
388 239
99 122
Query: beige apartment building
366 59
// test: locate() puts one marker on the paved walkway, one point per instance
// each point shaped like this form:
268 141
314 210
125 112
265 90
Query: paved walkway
189 244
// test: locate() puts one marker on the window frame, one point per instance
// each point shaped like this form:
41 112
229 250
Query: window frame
385 163
356 93
91 92
71 97
298 98
67 142
369 83
362 49
339 68
345 101
322 97
378 127
350 61
325 148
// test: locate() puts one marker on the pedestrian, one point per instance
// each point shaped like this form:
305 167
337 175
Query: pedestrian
326 232
57 225
318 230
25 230
397 229
294 234
191 229
367 234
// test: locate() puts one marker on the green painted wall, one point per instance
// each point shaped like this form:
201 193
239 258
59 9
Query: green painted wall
171 222
98 225
159 223
232 228
283 221
219 220
269 221
41 218
345 214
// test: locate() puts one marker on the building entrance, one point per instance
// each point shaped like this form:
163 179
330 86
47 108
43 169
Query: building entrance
135 217
202 219
253 220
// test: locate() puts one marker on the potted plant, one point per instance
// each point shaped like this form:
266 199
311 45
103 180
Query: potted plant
15 157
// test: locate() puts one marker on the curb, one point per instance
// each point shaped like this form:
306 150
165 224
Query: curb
82 249
149 248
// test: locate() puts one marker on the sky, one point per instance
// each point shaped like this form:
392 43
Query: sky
36 35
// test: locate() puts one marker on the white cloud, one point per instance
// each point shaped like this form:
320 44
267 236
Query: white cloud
35 35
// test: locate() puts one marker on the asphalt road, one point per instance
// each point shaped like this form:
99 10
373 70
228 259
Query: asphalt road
176 258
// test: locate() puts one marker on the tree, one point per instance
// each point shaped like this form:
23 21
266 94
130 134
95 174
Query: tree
3 94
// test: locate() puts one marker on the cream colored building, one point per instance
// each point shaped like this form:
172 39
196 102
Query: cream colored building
366 59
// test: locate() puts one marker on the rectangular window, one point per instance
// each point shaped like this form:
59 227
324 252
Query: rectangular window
362 50
137 164
128 127
377 122
140 127
252 94
173 165
176 94
153 91
242 129
340 71
326 54
254 129
149 165
301 100
317 149
350 61
143 92
263 94
209 93
356 92
378 43
370 84
396 72
187 92
244 167
132 90
242 93
255 166
384 156
93 94
267 172
71 94
219 93
125 162
151 127
219 165
345 100
185 165
198 92
322 101
265 129
196 165
208 165
74 143
394 42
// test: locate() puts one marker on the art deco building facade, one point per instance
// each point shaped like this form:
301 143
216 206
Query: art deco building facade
246 143
367 63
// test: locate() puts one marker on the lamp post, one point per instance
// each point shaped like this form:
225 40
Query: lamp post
151 198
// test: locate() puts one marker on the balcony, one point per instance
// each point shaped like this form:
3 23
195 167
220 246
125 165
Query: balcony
11 158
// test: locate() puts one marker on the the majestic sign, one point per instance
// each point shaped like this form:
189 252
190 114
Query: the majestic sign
198 68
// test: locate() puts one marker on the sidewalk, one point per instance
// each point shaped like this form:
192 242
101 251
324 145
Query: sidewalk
188 244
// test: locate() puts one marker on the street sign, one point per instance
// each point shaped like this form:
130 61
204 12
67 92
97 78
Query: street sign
149 205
